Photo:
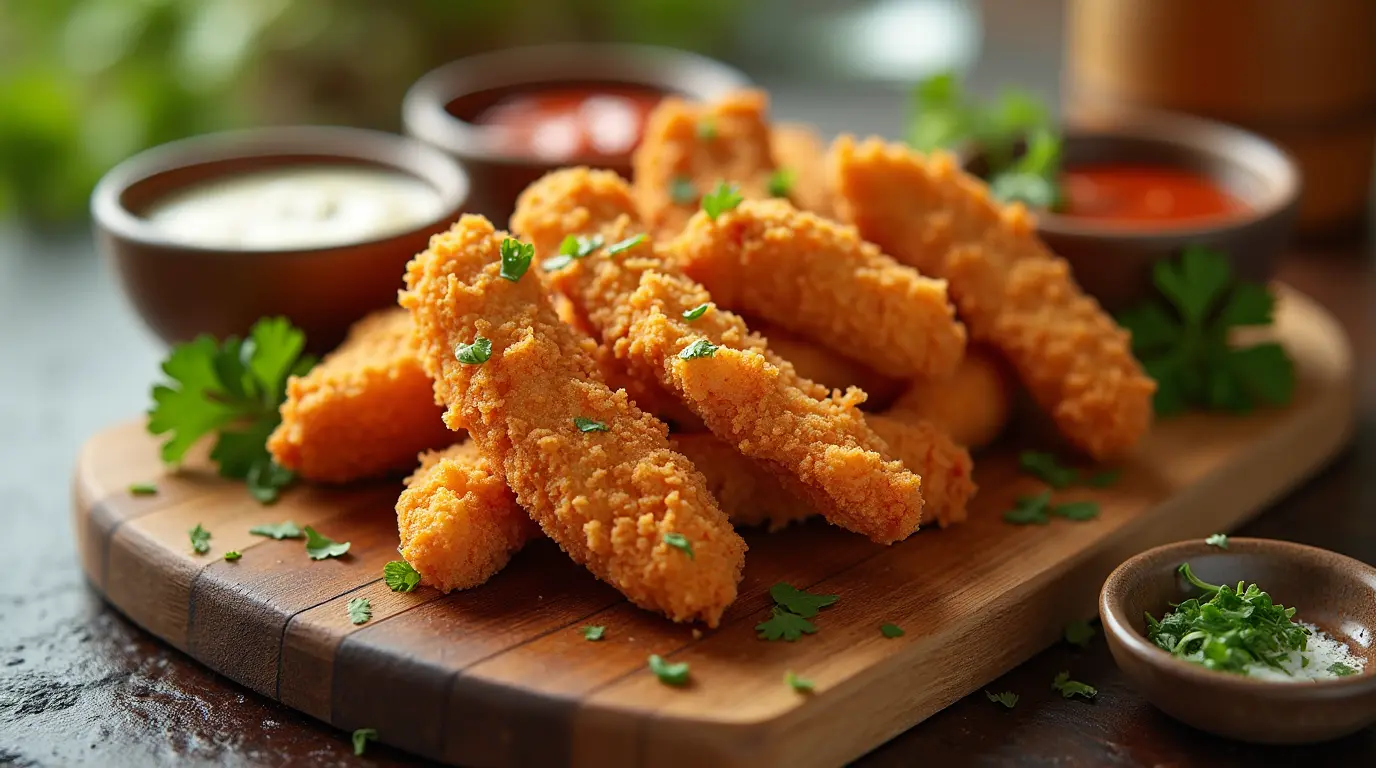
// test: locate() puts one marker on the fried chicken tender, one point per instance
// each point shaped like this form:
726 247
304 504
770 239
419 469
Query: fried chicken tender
1010 290
801 154
946 468
636 300
973 405
608 497
819 279
817 363
365 411
700 145
459 523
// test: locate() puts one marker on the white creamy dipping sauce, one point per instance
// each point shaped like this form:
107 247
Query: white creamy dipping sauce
296 207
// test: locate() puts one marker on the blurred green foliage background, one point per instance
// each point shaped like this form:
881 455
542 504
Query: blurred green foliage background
86 83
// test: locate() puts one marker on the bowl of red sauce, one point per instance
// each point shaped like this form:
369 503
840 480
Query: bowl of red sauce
511 116
1137 187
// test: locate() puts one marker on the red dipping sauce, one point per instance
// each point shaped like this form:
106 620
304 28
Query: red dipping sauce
566 123
1145 196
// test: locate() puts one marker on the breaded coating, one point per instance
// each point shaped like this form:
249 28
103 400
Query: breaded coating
817 363
459 523
688 148
636 300
973 405
946 468
609 496
1010 290
819 279
365 411
801 154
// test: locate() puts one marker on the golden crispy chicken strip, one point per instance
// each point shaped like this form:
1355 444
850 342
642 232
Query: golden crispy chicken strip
835 372
595 471
973 405
800 157
1011 291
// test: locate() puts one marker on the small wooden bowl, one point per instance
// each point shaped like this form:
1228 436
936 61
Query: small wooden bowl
182 290
1336 593
438 107
1113 262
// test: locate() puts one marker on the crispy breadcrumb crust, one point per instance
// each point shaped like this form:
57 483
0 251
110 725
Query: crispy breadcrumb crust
973 405
819 279
798 150
607 498
835 372
458 521
1011 291
365 411
946 468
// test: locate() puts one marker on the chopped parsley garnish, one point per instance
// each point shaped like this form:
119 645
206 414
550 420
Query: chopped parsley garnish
891 631
1183 338
682 191
1069 688
593 633
1228 629
783 625
200 539
573 247
233 555
1030 509
669 674
143 489
799 684
320 547
723 198
1047 468
360 609
692 314
707 128
1219 540
231 389
627 244
477 353
797 601
1077 510
1105 478
279 531
361 738
1079 633
1340 669
781 182
585 424
516 258
400 576
699 348
680 542
1008 699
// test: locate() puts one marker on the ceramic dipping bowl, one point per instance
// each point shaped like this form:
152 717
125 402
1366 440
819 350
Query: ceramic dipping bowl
1333 592
182 288
443 106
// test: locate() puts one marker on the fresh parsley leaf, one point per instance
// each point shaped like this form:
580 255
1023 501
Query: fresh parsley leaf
798 601
1029 189
233 555
143 489
724 197
783 625
1079 633
1304 661
593 633
200 539
891 631
1047 468
400 576
1077 510
681 191
477 353
692 314
266 479
320 547
573 247
799 684
627 244
1030 510
279 531
781 182
360 609
680 542
585 424
942 120
1104 478
1069 688
1340 669
707 128
669 674
361 738
699 348
1219 540
556 263
1008 699
516 258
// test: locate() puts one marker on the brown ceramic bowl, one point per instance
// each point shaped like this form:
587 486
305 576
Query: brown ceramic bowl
1336 593
1113 262
440 107
182 289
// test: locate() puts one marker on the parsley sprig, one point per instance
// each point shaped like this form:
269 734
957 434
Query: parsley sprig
1070 688
231 389
724 197
1183 339
793 607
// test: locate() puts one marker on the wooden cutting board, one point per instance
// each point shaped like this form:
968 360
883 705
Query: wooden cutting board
501 675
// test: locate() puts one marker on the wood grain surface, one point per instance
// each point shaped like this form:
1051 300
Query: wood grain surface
500 675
